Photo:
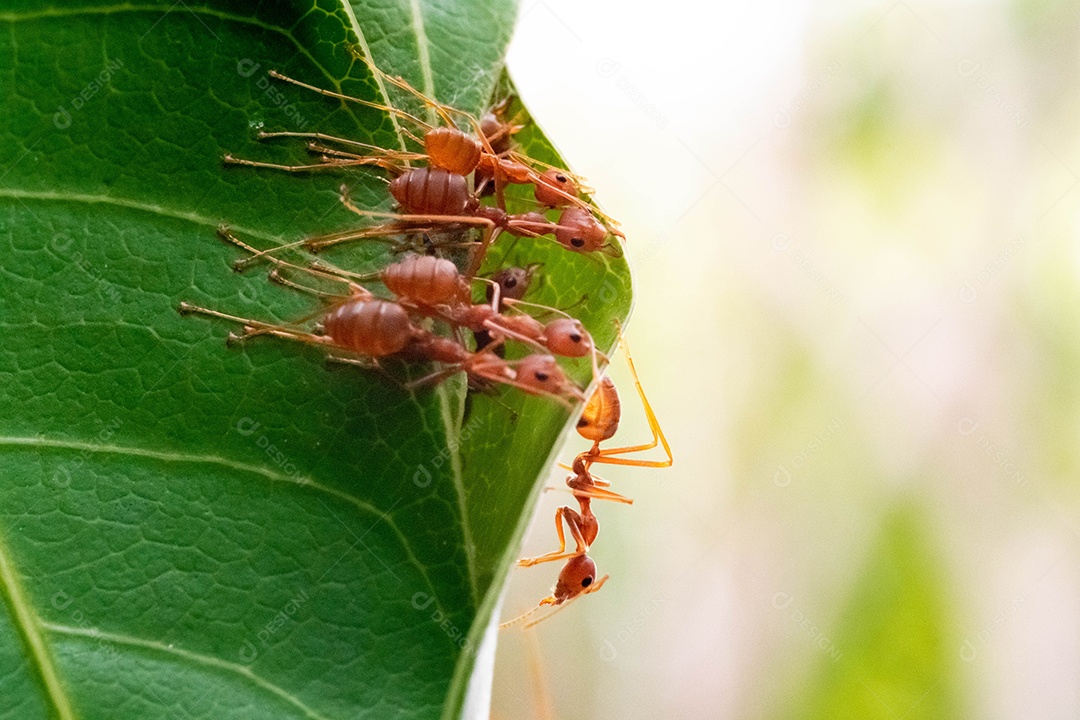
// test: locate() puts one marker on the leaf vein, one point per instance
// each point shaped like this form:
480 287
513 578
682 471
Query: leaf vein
452 424
56 12
362 39
423 48
232 465
131 204
30 626
209 660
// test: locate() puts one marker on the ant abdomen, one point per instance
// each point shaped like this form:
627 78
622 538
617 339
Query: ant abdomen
431 191
600 419
370 327
426 280
453 150
496 132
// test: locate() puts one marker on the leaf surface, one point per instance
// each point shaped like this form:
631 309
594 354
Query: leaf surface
189 529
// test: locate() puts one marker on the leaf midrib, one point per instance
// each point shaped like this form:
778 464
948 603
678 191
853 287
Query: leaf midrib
423 49
452 427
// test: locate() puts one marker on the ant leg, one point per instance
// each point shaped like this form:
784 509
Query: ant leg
367 364
433 379
392 161
442 110
275 276
507 334
605 456
340 141
481 252
225 233
430 218
383 233
340 96
586 486
601 494
257 327
573 521
323 270
230 160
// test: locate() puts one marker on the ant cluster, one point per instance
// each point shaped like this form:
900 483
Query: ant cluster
428 314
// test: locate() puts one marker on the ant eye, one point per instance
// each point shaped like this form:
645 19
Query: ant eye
577 242
586 582
561 178
542 376
575 338
511 282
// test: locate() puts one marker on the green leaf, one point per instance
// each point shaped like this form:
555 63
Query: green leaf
189 529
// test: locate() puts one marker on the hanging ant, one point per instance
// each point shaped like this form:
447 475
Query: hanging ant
599 422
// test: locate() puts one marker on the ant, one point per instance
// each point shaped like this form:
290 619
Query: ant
599 422
446 147
369 328
439 194
433 199
434 287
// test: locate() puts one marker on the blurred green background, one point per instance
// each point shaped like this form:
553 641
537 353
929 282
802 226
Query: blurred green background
854 233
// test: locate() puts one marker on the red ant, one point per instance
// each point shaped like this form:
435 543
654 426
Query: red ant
447 148
433 199
434 287
371 328
439 194
599 421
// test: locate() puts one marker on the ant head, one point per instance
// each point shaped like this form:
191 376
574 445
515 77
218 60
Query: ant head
579 231
496 132
541 374
553 188
513 282
567 338
578 577
490 124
